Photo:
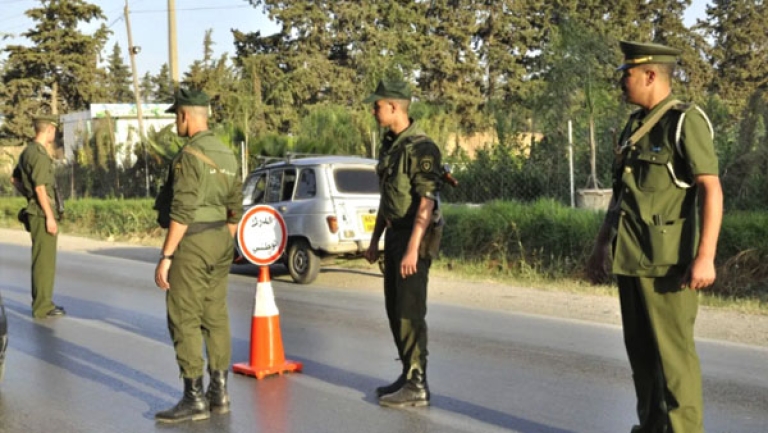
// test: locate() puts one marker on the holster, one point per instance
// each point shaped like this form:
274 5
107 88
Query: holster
429 248
23 218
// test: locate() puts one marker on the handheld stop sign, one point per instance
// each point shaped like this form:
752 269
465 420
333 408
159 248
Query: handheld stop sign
262 235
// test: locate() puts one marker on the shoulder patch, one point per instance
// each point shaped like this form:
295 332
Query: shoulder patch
426 163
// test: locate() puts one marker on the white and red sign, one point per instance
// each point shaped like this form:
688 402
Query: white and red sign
262 235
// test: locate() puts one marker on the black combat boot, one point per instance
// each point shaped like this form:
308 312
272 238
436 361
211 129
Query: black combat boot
392 387
192 407
414 393
218 399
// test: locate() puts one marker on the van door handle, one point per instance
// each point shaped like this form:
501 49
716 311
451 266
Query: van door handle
282 209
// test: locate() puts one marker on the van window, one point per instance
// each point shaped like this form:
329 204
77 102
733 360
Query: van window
307 187
280 185
356 180
253 192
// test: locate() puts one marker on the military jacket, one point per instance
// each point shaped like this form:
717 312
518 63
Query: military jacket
656 223
202 193
36 168
408 169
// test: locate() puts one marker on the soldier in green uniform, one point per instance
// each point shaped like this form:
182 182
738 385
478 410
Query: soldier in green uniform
410 182
202 204
663 225
34 178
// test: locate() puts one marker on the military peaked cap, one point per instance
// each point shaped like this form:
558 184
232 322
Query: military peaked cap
189 97
47 118
389 90
636 53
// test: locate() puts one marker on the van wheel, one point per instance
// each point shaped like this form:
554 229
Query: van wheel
303 262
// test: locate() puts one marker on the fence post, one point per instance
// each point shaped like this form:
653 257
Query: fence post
570 161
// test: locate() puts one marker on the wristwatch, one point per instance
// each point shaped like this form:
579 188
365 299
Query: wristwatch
166 257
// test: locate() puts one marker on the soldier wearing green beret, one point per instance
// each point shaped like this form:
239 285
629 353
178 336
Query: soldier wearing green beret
34 178
410 181
201 204
662 224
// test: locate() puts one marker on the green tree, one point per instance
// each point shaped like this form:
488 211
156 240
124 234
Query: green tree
58 72
163 85
118 85
147 88
740 45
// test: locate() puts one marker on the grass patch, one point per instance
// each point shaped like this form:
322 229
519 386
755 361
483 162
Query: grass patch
542 244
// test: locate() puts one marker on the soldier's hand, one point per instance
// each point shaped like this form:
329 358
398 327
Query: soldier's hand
701 274
409 263
372 253
161 274
51 226
596 266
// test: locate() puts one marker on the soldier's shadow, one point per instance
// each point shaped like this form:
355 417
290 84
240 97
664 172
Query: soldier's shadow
37 339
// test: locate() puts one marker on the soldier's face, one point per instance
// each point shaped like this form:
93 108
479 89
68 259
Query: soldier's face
634 82
383 112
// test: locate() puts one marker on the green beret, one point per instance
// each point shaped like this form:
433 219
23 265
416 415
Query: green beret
636 53
189 97
389 90
47 118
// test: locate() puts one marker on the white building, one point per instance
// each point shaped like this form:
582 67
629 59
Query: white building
78 127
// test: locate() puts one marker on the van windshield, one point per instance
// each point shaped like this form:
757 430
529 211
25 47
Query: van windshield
356 180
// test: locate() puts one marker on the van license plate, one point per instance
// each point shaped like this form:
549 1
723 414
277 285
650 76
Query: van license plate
369 222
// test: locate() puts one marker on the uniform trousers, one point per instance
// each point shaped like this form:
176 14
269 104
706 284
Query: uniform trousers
406 302
197 301
43 266
658 320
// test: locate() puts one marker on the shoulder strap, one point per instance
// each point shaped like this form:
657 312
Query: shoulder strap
678 142
200 155
650 123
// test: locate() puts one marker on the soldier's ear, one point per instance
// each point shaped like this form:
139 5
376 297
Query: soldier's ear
651 75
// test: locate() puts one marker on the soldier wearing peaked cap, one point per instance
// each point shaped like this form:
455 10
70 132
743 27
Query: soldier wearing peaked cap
410 182
200 205
663 239
34 178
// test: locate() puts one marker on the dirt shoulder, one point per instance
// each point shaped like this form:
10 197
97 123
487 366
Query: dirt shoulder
445 287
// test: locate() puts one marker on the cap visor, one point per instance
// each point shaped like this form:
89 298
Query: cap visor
171 109
372 98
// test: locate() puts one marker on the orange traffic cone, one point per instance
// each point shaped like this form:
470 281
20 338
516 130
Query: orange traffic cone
267 356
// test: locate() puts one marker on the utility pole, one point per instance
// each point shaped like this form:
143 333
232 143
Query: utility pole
173 51
136 92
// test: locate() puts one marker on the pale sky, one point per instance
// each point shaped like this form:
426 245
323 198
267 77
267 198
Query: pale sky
149 25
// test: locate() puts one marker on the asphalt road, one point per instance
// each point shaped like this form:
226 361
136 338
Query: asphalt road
109 366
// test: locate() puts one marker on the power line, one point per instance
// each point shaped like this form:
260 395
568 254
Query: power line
193 9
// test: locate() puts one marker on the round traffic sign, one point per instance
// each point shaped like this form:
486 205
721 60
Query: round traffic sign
262 235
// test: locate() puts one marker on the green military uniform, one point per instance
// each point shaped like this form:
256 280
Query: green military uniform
204 193
36 168
205 199
408 170
656 238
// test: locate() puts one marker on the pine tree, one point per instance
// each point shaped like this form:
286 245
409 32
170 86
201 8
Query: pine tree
118 78
58 71
163 85
147 88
